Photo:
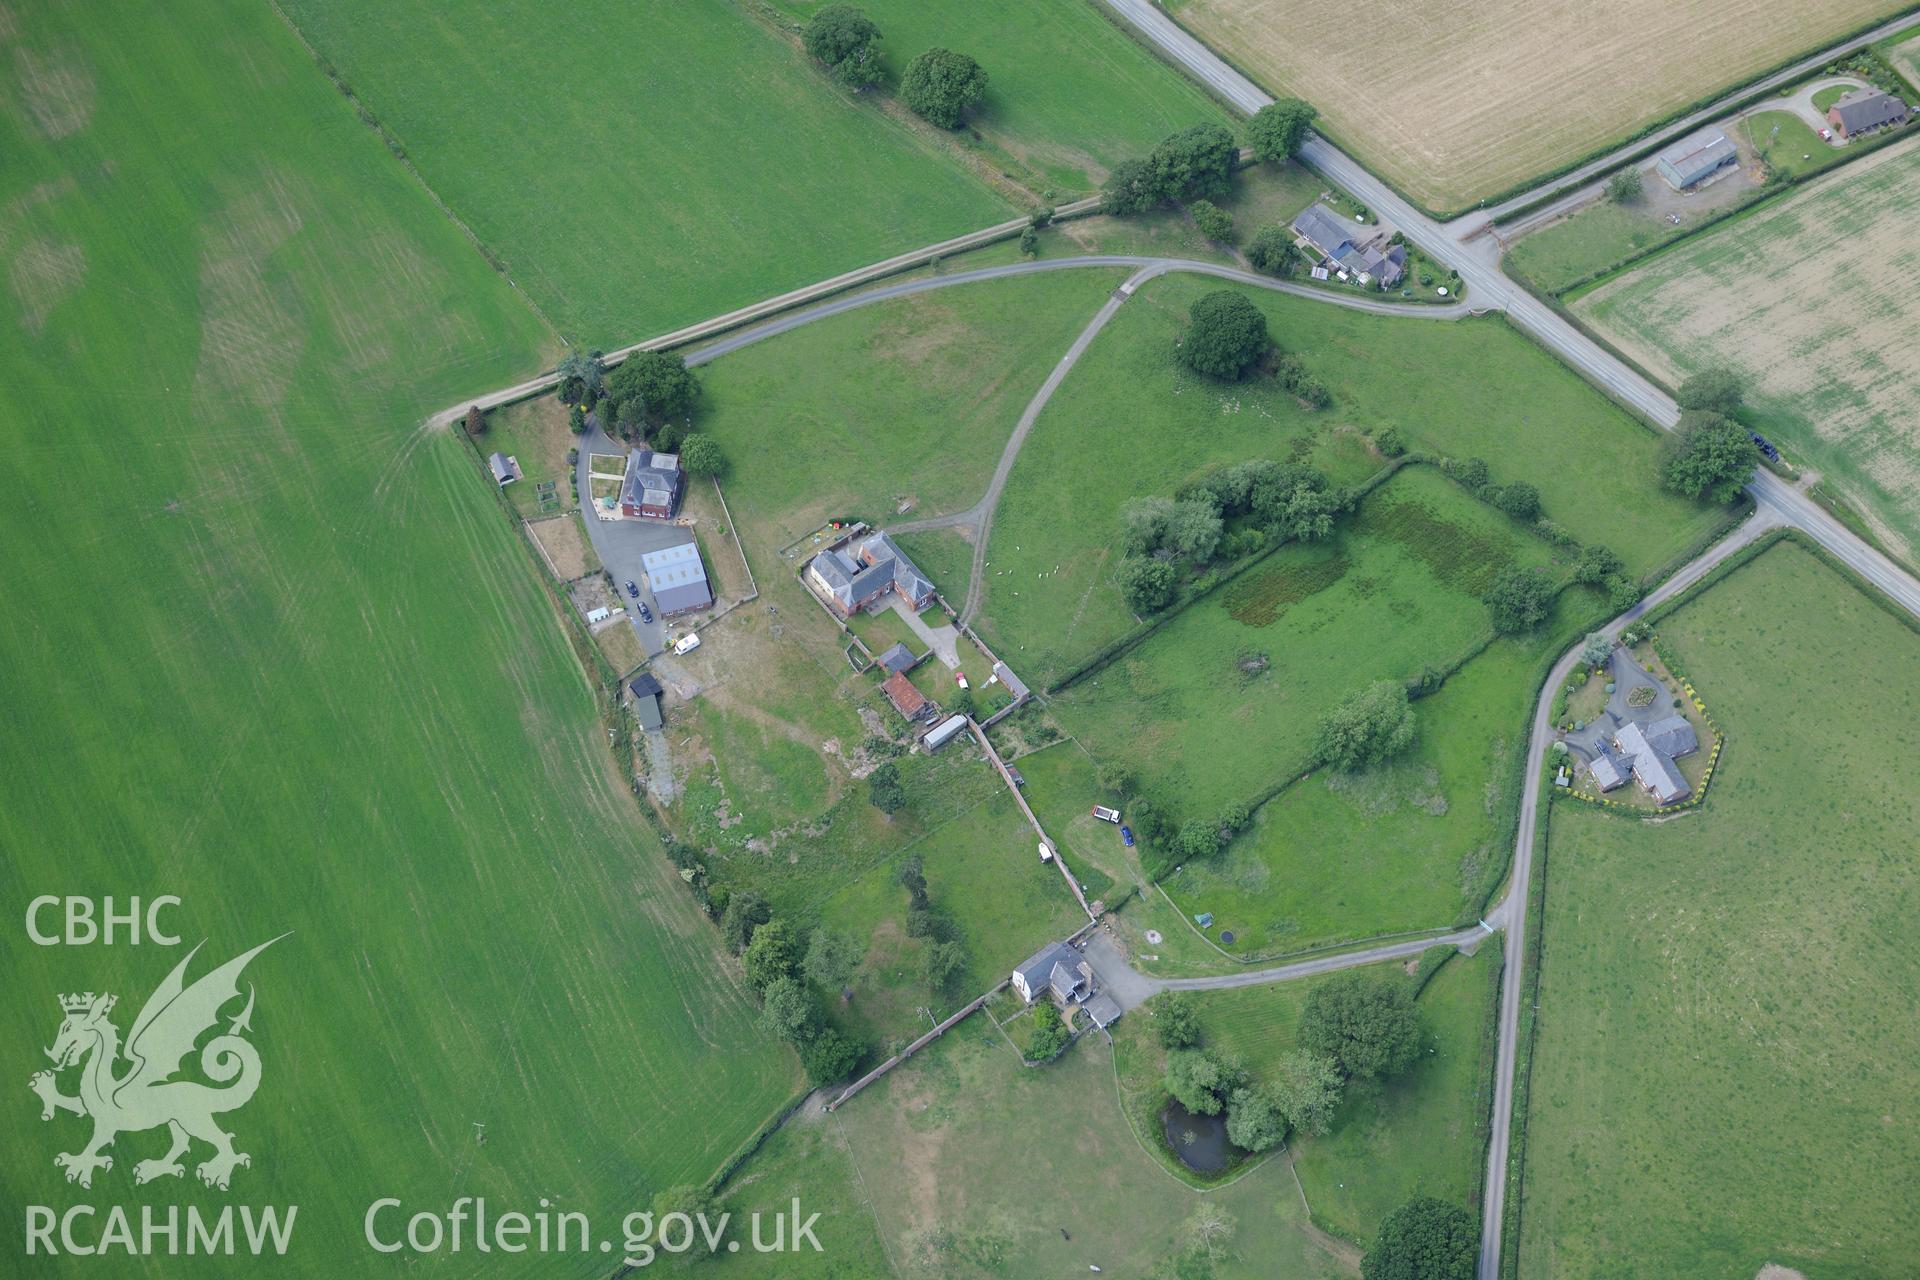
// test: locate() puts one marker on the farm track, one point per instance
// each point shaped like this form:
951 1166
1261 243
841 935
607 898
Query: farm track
1776 502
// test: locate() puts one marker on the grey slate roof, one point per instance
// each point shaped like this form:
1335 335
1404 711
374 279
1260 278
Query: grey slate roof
1608 769
1324 229
1654 768
1103 1009
678 579
652 479
1049 968
1013 683
644 684
504 470
1672 736
647 711
860 571
1865 109
898 658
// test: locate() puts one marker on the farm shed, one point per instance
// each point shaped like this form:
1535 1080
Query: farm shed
1103 1010
944 732
906 699
505 470
678 579
1011 681
646 692
1865 110
1695 158
897 659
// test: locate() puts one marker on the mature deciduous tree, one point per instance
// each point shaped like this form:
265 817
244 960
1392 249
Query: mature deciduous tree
1365 1025
1367 727
843 38
940 85
1226 335
1424 1239
1710 456
1278 129
1518 600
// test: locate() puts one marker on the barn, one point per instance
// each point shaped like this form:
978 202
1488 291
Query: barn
1695 158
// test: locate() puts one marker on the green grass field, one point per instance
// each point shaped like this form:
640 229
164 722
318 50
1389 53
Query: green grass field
1422 1133
1068 92
640 166
977 1166
1822 339
1132 421
1397 588
1405 846
1724 1068
1561 255
292 664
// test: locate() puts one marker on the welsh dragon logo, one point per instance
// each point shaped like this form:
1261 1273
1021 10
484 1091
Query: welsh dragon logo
143 1093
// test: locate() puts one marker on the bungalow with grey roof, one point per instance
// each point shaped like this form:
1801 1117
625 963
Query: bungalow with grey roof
859 575
1865 110
1651 750
1332 237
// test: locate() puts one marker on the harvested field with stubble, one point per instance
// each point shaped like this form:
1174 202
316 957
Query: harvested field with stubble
1825 338
1455 101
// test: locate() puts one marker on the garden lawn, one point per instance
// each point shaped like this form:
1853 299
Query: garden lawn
1823 340
1069 93
274 649
1394 590
1421 1133
1413 844
640 166
1724 1072
964 1154
1131 420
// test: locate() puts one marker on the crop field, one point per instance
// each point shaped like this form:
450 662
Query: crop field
964 1154
1460 101
1404 846
1422 1133
1068 92
1396 589
292 663
1724 1070
642 166
1823 338
1130 406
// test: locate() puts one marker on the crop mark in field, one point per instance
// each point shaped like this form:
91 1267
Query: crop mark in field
57 90
250 339
42 275
1463 558
1259 598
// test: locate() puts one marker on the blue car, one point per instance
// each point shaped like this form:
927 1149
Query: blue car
646 614
633 588
1126 836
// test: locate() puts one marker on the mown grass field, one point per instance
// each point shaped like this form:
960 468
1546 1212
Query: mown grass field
1069 93
1823 338
1724 1069
274 650
1422 1133
1132 421
1395 589
1459 101
641 166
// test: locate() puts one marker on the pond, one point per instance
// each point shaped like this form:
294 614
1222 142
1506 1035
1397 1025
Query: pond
1200 1142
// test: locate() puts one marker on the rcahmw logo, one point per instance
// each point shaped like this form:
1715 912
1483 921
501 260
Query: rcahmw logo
148 1083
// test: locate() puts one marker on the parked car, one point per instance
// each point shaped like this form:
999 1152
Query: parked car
1126 835
1105 814
1826 135
646 614
960 678
687 643
633 588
